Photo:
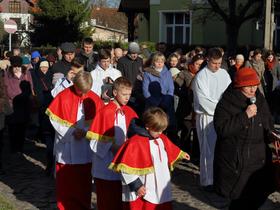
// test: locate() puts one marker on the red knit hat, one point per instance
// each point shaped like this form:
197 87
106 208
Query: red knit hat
246 77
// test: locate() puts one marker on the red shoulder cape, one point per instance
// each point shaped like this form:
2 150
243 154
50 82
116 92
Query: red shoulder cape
64 106
134 156
102 128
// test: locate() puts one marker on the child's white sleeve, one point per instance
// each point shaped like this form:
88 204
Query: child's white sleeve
128 178
64 132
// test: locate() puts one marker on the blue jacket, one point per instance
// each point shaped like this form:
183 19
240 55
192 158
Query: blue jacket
154 86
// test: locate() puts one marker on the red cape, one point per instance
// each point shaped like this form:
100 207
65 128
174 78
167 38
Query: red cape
64 106
103 126
134 156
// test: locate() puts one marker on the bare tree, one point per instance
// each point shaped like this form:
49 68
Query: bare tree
234 13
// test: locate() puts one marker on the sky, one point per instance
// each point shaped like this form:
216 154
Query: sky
111 3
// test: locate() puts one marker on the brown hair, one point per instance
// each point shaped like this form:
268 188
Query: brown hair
155 119
104 54
122 81
214 53
158 56
83 81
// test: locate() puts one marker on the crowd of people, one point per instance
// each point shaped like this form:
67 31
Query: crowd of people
122 118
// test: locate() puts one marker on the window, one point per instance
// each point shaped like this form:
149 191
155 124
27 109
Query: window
176 28
14 7
277 33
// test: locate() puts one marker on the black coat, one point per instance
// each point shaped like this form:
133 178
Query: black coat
241 147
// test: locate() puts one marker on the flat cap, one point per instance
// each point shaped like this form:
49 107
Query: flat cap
68 47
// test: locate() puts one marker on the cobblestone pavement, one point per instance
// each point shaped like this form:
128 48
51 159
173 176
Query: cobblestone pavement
27 187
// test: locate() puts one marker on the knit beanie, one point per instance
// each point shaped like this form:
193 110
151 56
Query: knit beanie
35 54
246 77
133 47
44 64
25 60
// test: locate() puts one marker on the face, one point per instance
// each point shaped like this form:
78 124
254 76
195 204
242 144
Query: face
133 56
249 91
36 60
122 94
258 57
105 63
197 64
270 58
173 62
69 56
239 61
159 63
214 64
44 69
154 134
16 69
87 48
118 53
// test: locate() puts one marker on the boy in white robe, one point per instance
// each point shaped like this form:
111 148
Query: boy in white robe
145 161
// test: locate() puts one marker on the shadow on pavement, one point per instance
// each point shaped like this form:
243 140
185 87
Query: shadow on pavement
25 175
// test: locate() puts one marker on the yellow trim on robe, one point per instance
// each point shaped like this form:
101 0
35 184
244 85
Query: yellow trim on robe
91 135
181 156
58 119
129 170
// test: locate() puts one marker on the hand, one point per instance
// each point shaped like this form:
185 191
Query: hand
70 75
79 133
141 191
187 157
251 110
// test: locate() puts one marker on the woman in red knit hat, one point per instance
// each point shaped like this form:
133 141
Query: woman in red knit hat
242 121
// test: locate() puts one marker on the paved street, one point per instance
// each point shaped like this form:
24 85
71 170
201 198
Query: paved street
27 188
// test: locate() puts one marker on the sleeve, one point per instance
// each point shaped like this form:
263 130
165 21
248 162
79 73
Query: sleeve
62 130
226 124
120 67
170 90
60 85
146 82
200 93
101 149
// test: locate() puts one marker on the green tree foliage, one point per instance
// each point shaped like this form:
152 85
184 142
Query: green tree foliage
61 20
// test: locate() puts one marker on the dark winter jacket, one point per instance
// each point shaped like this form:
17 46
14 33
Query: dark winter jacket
89 60
132 70
61 67
241 147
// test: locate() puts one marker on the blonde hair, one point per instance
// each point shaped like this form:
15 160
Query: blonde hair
158 56
122 81
155 119
83 81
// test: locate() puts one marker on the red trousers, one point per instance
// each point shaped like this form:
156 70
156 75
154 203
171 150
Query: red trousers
109 194
141 204
73 186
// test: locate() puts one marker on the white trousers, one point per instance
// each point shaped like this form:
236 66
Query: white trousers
207 140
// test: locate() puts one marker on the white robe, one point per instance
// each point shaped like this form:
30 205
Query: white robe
67 149
102 155
99 74
157 184
208 88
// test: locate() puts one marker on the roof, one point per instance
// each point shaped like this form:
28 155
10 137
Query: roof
109 17
134 5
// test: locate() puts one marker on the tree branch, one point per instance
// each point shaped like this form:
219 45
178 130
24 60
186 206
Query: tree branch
216 7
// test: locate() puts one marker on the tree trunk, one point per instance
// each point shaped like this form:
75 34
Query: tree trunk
232 38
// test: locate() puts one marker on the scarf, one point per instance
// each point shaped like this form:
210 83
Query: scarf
270 64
